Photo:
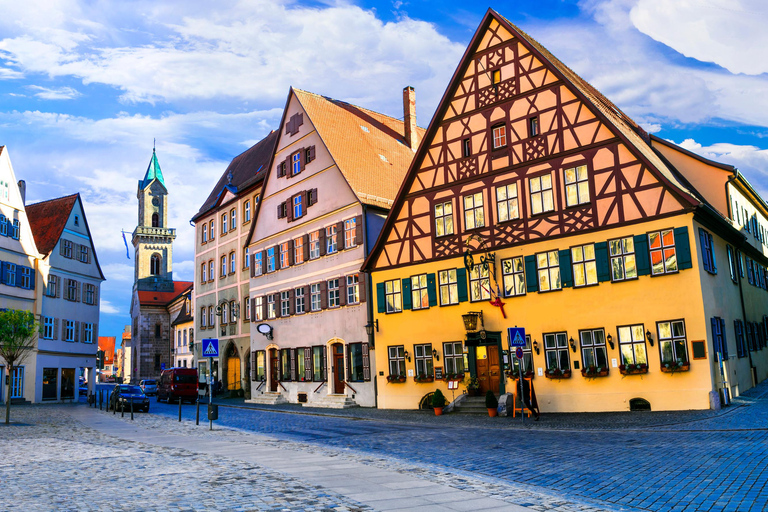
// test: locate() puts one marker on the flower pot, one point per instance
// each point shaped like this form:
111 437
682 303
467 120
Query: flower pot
438 411
493 412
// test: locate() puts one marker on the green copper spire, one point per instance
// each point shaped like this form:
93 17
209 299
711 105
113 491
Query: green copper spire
153 171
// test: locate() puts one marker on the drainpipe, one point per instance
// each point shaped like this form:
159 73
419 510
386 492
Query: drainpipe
369 311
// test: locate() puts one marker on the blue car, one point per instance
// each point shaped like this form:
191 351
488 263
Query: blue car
123 394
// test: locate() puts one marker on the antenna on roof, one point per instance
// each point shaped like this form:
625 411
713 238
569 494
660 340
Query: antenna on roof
154 143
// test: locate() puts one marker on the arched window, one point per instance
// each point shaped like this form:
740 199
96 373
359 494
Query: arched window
155 220
154 265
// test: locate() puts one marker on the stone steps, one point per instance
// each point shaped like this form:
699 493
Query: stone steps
333 402
471 405
269 398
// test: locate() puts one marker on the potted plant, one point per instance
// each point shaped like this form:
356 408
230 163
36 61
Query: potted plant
438 402
675 366
491 403
423 377
593 371
633 369
473 386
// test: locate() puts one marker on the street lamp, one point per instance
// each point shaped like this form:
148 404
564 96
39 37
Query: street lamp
369 327
470 320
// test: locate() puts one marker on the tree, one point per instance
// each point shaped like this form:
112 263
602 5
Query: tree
18 331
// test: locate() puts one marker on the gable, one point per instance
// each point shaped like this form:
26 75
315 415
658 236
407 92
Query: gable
551 125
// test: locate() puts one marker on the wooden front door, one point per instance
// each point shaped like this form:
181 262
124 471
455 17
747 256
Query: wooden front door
274 368
338 368
233 373
488 368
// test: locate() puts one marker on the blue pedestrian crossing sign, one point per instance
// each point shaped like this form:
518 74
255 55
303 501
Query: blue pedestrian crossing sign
211 347
516 336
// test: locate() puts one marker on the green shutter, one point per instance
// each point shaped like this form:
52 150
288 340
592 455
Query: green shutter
461 282
381 298
566 270
531 277
601 260
683 246
642 256
407 297
431 290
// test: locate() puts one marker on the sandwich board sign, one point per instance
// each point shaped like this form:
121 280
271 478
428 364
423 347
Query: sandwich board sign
516 336
211 347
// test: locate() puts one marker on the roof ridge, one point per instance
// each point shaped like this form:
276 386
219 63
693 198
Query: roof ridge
54 199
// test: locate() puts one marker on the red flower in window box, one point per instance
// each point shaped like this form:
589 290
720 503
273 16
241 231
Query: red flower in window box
395 378
557 373
633 369
423 377
594 371
672 367
454 376
516 375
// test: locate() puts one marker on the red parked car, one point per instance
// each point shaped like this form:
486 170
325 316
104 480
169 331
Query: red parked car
177 384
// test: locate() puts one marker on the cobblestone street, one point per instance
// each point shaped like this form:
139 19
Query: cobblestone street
71 457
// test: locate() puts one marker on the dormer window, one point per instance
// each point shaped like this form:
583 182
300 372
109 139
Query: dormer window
77 220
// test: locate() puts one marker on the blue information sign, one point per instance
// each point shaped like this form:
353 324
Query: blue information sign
210 347
162 366
516 336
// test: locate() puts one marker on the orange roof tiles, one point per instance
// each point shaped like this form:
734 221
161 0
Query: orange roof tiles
152 298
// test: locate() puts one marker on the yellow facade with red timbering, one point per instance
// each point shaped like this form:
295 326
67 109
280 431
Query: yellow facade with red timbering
533 194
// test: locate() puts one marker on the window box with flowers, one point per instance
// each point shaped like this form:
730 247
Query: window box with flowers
423 377
591 372
557 373
633 369
675 366
516 375
395 378
454 376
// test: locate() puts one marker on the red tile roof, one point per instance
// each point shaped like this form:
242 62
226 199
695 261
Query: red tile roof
151 298
47 220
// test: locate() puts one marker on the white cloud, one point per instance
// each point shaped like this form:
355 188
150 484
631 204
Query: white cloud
54 93
107 308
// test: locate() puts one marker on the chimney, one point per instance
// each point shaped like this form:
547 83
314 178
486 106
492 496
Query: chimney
23 191
409 118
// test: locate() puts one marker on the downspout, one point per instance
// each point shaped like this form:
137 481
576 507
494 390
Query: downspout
369 312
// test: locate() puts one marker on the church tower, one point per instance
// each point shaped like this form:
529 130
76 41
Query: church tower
153 239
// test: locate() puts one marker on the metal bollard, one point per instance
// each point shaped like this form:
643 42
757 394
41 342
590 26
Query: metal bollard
180 408
131 408
101 397
114 407
122 409
197 414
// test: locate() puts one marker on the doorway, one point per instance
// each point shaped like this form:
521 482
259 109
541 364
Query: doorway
488 368
338 368
233 368
274 367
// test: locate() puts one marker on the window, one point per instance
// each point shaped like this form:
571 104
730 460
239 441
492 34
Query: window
479 283
499 136
154 265
247 257
16 229
90 294
584 266
213 229
10 274
663 255
330 238
48 327
259 309
466 146
285 303
211 318
224 225
632 344
257 262
506 202
211 270
3 222
247 211
87 332
298 251
423 357
707 251
527 359
444 219
155 220
285 364
223 266
205 232
69 330
271 259
314 245
318 364
350 232
233 219
333 293
453 355
203 318
298 207
513 275
495 76
449 290
542 199
53 284
556 351
299 294
533 126
396 360
178 338
474 216
593 351
672 343
548 265
353 289
314 297
26 278
622 254
83 256
203 273
232 266
576 186
741 346
420 298
393 296
296 163
271 312
67 248
224 313
71 289
356 366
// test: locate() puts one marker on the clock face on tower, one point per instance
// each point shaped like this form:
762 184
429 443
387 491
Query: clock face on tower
156 201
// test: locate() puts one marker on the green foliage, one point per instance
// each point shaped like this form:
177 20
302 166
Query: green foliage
18 330
490 400
438 399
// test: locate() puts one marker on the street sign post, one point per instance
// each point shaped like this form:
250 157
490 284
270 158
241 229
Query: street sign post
516 336
517 339
519 352
210 349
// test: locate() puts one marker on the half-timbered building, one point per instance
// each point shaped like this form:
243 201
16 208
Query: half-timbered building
535 202
336 170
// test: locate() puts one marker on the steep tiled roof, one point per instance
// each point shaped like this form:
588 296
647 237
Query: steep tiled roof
369 148
150 298
47 220
246 168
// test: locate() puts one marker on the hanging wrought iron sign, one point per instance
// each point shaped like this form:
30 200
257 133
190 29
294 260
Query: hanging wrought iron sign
487 264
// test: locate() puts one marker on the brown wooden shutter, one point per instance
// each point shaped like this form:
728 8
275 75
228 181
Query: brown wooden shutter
308 363
293 364
61 247
349 362
321 231
280 211
304 202
301 159
310 154
288 166
254 370
359 230
312 197
252 265
253 309
366 363
305 246
342 290
289 208
77 331
56 328
58 286
323 295
361 286
290 253
291 302
263 262
340 236
96 332
325 363
277 256
263 307
95 295
77 290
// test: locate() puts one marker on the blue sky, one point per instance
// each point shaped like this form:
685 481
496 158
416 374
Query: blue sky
85 86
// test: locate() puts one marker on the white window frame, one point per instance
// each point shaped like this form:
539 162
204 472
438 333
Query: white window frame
542 199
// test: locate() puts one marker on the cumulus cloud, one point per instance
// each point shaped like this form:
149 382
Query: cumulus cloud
108 308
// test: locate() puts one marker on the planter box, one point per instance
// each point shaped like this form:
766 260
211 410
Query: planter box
566 374
684 368
591 375
396 379
424 380
516 375
634 371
